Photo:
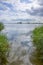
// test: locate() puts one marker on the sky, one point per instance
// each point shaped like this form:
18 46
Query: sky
21 9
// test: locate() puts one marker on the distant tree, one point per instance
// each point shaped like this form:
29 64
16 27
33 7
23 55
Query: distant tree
37 37
19 23
4 47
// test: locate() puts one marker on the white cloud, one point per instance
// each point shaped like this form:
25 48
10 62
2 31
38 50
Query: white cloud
19 9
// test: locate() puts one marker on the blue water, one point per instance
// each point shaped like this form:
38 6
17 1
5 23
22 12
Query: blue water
20 36
16 30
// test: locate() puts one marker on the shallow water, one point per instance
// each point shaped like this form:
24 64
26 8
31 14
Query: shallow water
21 46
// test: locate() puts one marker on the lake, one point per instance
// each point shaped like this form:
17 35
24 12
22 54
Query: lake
21 43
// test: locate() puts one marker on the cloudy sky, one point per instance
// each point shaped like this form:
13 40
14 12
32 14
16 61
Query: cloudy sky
21 9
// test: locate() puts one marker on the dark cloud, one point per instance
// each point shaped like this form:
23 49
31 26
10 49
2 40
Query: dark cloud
2 7
26 1
6 4
36 12
40 2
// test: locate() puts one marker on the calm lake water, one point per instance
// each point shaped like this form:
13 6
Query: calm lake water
21 45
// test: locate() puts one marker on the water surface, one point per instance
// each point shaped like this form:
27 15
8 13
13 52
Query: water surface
21 45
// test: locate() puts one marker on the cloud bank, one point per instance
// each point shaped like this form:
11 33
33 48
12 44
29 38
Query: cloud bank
15 9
